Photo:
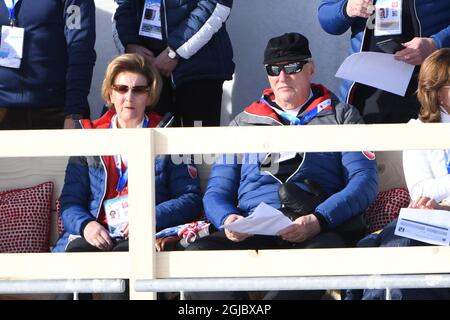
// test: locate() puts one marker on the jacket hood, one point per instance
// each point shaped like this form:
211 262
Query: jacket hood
262 108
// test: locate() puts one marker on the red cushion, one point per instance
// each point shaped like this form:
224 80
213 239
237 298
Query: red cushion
386 208
25 219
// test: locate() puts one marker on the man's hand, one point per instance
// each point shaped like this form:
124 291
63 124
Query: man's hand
303 228
416 50
359 8
165 64
231 235
148 54
96 235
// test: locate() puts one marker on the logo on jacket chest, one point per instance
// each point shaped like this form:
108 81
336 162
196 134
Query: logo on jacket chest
369 155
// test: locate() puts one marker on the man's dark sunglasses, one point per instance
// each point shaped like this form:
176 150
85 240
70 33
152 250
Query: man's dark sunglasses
123 89
274 70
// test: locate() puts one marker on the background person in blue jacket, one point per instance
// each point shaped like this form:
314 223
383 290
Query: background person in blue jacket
46 85
323 193
96 186
187 41
421 25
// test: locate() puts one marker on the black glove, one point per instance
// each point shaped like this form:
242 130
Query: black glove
298 202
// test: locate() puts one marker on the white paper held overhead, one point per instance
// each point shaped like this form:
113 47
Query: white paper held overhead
376 69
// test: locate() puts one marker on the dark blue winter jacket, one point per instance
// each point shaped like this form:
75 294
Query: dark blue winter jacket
349 179
58 55
432 18
177 191
195 29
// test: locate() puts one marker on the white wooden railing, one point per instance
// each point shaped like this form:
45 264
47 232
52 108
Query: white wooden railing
142 262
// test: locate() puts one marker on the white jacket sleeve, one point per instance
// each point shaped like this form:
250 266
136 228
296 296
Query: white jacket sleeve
422 178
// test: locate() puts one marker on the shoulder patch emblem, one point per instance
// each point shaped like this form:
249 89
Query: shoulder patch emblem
192 170
369 155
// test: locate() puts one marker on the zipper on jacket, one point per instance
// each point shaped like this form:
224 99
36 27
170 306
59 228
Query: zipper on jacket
298 169
106 185
106 179
165 21
417 18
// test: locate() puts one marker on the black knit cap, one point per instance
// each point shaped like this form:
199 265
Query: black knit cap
289 47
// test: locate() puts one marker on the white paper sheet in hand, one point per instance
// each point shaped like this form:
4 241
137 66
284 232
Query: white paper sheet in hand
430 226
265 220
376 69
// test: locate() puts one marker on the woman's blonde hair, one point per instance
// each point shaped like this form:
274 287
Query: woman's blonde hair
135 63
434 74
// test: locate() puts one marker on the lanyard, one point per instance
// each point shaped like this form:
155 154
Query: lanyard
310 113
10 4
293 120
123 176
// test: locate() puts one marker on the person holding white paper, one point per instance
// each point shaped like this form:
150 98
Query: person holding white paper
421 26
427 172
323 193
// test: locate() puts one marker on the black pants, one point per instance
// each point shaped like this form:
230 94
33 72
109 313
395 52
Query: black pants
218 241
31 118
81 245
198 100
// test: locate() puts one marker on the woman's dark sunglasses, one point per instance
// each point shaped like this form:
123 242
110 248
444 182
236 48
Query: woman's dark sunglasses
123 89
289 68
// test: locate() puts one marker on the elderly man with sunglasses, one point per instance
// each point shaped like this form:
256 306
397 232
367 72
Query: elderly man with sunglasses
324 194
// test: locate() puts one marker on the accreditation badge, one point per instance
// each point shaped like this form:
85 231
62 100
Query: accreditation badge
388 17
11 46
116 210
151 20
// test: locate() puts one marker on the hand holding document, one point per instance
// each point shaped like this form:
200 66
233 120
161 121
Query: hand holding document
430 226
379 70
265 220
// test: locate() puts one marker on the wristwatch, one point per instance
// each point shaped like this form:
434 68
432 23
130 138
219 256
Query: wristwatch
171 53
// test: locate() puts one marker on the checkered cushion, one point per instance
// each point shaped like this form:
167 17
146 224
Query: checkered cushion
25 219
386 208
